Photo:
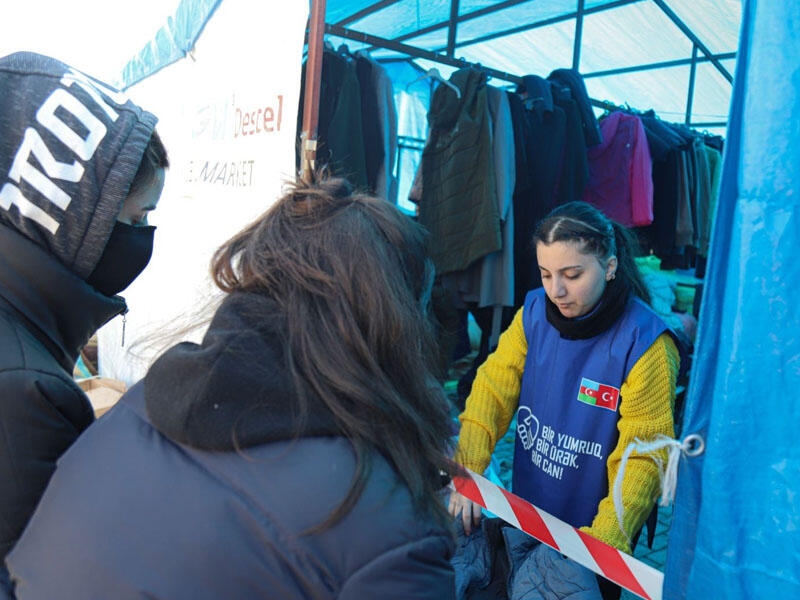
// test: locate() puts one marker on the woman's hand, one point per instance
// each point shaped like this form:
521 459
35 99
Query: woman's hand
469 511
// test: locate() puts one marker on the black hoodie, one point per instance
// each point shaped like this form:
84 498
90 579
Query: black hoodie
69 149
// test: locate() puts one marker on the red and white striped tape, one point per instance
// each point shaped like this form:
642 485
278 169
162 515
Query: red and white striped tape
632 574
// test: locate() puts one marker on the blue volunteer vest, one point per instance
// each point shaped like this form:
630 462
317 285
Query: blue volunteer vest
569 408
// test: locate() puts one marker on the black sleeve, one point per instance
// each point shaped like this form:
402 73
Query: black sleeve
41 415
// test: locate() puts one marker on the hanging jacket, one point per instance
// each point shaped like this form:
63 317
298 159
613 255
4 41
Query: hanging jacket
459 198
340 129
489 281
574 81
620 171
551 167
201 483
69 149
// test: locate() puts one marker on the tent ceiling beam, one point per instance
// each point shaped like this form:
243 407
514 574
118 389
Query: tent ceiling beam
372 8
695 40
678 62
576 48
692 78
415 52
701 124
451 30
463 18
519 29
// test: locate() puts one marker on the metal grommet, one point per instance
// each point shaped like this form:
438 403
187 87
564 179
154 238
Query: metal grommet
693 444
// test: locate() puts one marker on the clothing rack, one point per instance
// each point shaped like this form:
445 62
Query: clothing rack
611 107
379 42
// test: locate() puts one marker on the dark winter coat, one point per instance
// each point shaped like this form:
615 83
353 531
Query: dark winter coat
201 484
69 149
500 562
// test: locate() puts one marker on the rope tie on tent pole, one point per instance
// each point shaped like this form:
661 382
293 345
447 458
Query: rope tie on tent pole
309 154
692 445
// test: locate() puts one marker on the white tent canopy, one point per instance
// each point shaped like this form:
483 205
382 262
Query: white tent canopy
674 56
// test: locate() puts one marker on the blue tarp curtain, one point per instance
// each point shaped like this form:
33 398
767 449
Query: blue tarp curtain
734 532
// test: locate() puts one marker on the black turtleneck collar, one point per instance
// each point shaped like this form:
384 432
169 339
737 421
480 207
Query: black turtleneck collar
609 308
233 390
63 310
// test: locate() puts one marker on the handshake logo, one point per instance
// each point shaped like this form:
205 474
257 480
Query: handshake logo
527 427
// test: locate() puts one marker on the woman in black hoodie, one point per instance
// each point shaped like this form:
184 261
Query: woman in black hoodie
81 166
297 452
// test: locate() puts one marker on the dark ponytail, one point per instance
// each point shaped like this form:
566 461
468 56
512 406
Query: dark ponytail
627 271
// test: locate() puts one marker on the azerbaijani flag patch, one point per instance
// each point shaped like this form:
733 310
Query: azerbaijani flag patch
598 394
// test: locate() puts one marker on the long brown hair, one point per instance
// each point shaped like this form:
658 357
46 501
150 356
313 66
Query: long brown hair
350 273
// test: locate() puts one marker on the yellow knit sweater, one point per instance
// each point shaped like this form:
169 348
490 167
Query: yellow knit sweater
648 396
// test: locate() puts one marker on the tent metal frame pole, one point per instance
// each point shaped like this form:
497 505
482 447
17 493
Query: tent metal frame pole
576 48
473 15
313 80
415 52
708 124
509 3
366 12
680 62
451 30
692 78
522 28
695 40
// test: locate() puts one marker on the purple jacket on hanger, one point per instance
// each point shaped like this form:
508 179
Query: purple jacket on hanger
620 171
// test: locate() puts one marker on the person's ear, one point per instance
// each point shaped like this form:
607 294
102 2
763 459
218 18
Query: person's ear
611 268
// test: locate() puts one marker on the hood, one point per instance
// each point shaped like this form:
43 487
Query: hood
573 80
58 307
70 147
233 390
538 94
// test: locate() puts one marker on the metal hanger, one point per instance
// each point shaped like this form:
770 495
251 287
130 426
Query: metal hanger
433 73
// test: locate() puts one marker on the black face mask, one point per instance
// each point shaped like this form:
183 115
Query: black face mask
126 255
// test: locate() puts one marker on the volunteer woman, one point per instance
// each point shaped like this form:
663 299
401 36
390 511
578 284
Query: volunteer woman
586 367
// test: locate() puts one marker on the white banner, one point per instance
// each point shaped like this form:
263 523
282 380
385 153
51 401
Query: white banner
228 117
